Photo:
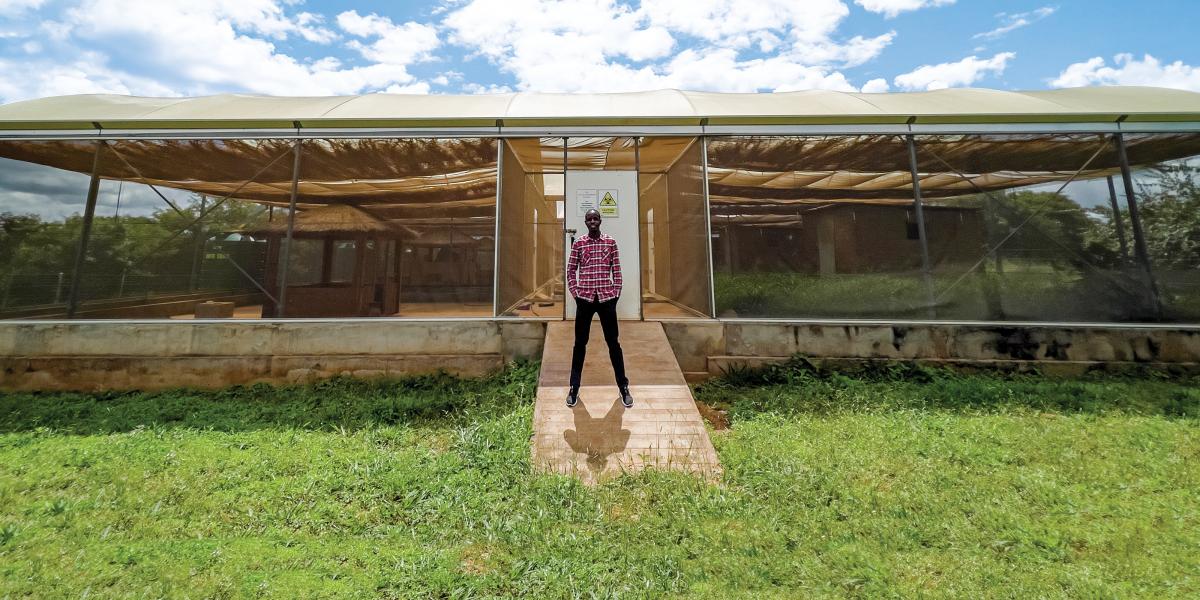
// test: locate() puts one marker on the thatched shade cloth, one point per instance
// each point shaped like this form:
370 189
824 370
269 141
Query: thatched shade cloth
424 174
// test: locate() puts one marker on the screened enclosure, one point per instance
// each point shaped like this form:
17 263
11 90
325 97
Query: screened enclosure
1030 227
375 227
961 205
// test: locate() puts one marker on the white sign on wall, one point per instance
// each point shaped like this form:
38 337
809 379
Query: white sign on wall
586 200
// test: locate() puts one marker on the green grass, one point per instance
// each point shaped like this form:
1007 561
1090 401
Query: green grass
899 482
1025 291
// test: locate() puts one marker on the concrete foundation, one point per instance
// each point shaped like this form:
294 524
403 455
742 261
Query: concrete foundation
708 348
96 355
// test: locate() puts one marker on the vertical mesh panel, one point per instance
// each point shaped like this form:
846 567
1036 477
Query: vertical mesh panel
531 233
41 217
675 260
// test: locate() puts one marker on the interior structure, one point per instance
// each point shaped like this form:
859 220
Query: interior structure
1018 221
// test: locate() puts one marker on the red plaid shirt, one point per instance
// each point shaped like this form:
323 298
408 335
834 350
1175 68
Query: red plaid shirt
594 269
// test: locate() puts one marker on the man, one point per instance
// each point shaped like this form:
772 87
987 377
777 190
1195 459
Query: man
594 279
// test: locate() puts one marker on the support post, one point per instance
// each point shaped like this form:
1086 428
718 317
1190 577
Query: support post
1118 220
197 250
500 145
291 226
712 290
1135 221
85 235
921 234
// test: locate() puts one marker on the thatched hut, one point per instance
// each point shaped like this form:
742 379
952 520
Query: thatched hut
342 263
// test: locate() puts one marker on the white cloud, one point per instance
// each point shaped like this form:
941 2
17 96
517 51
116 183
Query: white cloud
876 86
891 8
955 74
22 80
600 45
206 46
1128 70
1016 21
475 88
396 44
14 7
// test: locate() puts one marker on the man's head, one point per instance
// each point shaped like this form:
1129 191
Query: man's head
592 219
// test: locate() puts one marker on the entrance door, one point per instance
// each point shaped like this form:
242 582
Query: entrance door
614 194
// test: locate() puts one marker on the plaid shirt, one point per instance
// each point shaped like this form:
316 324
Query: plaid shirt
594 269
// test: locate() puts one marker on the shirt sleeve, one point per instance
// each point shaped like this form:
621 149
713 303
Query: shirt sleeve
616 269
572 267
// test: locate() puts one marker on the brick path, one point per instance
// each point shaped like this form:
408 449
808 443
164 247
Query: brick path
600 437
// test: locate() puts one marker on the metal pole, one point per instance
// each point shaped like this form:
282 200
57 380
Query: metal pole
500 145
920 214
1135 220
712 290
89 214
1118 221
197 250
566 211
291 226
637 213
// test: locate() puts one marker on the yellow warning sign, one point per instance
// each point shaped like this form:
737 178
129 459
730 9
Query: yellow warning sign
608 204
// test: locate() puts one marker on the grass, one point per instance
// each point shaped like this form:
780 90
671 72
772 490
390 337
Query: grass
1026 291
898 482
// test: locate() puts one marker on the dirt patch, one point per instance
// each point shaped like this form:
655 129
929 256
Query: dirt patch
717 417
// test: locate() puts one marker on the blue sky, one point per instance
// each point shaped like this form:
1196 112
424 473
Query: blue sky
295 47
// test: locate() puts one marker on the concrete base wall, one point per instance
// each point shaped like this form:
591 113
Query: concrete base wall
96 355
706 348
92 355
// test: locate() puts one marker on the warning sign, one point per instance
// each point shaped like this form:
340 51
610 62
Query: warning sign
608 203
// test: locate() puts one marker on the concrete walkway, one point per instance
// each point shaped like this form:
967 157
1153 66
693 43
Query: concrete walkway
600 437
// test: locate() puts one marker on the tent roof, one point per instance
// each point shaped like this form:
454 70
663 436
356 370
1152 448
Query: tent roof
662 107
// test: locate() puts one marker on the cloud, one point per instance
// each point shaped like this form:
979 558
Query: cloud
206 46
600 45
1016 21
88 74
876 86
395 44
891 8
15 7
1128 70
964 72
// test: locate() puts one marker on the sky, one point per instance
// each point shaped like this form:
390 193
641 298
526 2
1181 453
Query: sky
310 47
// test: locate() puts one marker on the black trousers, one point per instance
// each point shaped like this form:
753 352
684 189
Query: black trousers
583 328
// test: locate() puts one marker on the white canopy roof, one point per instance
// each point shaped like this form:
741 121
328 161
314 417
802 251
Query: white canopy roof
663 107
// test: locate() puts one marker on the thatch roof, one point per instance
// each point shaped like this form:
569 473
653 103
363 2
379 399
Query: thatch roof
331 219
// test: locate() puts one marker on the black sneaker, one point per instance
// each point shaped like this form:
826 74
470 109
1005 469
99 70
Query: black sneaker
626 399
572 397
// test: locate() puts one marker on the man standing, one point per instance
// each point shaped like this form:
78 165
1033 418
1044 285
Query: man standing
594 279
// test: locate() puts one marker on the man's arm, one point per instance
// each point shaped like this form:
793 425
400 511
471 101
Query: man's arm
615 266
572 267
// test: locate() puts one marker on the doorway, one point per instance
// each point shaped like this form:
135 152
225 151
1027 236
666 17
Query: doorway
615 195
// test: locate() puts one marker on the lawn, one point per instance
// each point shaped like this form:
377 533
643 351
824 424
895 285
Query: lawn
892 483
1025 292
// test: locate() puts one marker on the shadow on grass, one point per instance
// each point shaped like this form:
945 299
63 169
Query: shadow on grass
800 386
339 403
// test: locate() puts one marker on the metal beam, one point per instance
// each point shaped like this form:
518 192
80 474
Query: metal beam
291 226
500 147
1118 220
85 235
712 290
926 275
1135 220
648 130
